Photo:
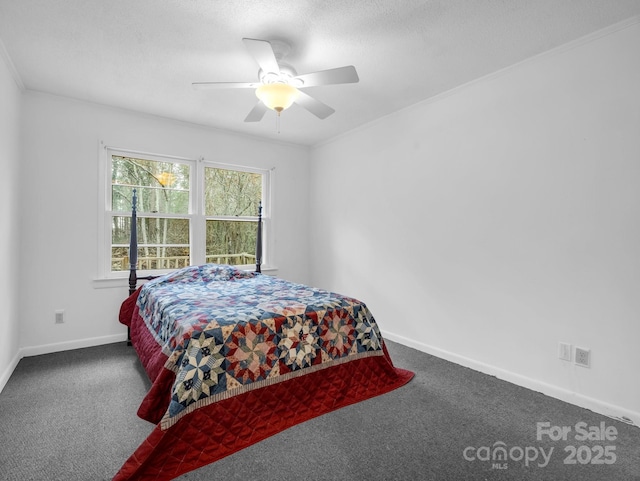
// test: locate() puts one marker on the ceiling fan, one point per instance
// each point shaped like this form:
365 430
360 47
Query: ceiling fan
279 85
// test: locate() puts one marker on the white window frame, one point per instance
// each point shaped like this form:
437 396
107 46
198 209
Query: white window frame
196 216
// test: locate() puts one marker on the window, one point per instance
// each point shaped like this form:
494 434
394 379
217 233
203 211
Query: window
188 212
231 202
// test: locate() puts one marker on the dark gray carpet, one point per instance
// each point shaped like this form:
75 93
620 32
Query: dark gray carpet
71 416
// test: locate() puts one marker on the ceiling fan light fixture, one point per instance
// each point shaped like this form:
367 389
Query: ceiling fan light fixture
277 96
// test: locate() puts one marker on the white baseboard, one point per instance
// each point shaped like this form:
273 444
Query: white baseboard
595 405
69 345
4 378
56 347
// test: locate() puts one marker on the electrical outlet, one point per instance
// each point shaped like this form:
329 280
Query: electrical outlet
583 357
564 351
60 316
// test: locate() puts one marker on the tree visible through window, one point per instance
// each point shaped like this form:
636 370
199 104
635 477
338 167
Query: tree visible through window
169 214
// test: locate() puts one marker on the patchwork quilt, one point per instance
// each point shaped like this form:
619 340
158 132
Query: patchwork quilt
217 341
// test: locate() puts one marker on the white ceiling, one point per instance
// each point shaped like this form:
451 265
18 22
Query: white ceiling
143 55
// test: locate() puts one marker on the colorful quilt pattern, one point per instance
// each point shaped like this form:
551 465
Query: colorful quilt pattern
226 332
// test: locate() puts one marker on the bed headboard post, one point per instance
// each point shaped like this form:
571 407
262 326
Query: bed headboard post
259 239
133 246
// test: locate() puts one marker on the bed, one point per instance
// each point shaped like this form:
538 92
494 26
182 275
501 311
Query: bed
235 357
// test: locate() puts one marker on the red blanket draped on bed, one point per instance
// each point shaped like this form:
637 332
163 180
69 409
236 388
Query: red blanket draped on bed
193 433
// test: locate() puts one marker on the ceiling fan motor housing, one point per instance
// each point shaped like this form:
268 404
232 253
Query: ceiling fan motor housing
287 75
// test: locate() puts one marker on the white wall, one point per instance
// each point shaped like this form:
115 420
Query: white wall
9 165
489 224
59 206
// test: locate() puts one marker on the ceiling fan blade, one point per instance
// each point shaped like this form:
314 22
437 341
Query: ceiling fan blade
262 52
224 85
256 113
341 75
317 108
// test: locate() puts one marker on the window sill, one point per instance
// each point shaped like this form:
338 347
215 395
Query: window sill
123 281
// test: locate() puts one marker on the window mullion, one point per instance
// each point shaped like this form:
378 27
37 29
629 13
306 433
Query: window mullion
198 227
